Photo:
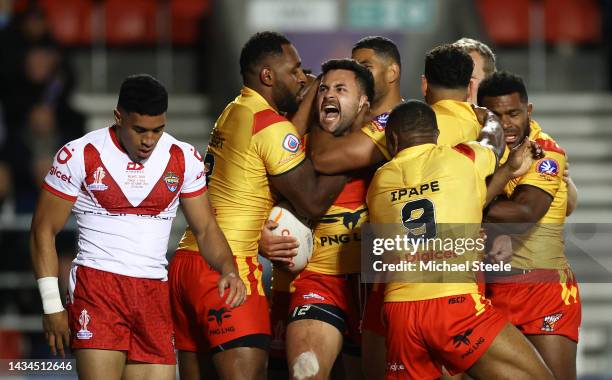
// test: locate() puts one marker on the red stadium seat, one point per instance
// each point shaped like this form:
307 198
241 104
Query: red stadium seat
575 21
70 23
130 22
506 22
185 16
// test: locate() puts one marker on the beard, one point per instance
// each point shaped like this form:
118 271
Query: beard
284 99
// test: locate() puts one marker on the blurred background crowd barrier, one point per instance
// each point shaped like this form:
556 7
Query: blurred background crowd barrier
62 61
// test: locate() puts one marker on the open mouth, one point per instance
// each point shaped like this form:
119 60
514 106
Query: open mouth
330 112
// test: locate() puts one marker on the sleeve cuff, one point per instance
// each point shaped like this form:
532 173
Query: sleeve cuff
58 193
194 193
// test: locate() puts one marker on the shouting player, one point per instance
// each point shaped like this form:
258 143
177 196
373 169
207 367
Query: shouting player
124 184
253 150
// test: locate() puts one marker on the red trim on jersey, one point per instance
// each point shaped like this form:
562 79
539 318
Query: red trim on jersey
58 193
251 276
114 200
265 118
113 135
194 193
353 194
550 146
465 150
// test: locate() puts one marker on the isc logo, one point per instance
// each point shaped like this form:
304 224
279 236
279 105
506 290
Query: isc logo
134 166
454 300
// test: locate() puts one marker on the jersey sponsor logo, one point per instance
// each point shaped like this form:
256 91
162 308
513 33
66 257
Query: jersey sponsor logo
312 295
291 143
97 184
339 239
460 339
548 166
380 121
84 320
218 316
349 219
63 155
61 176
548 324
172 181
395 367
133 166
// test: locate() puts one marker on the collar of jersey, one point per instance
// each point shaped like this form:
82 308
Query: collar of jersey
255 96
115 139
534 129
414 150
461 109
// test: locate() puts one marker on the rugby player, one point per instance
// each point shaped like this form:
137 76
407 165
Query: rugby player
253 151
450 324
325 306
540 296
124 184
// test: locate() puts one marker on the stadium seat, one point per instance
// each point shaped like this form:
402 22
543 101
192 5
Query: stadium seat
70 23
130 22
506 22
185 16
574 21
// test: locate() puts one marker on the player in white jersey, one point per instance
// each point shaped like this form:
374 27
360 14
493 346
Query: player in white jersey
124 185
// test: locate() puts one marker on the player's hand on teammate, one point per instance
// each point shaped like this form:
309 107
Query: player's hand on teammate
57 332
237 290
279 249
522 157
482 113
501 250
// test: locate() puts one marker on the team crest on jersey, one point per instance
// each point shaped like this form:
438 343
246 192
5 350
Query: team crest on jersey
380 121
291 143
172 181
548 166
84 320
98 177
549 322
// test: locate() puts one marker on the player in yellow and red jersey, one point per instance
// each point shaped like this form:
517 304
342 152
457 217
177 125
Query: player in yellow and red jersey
435 324
253 149
541 297
324 310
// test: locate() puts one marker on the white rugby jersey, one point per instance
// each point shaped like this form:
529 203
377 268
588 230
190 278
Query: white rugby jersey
124 209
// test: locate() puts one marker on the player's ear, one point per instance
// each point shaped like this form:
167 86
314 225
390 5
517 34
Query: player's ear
472 91
363 100
423 85
266 76
529 109
393 73
117 115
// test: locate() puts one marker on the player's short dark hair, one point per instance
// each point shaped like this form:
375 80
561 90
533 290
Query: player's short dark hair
502 83
448 66
143 94
472 45
413 115
363 75
259 46
382 46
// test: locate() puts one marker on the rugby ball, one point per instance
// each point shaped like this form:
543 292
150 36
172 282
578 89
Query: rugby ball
290 224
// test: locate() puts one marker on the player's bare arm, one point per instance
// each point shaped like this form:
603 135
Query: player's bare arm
526 206
214 247
333 155
572 191
303 117
309 193
49 218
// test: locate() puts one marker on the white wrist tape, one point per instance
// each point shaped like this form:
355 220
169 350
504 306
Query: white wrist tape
49 292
